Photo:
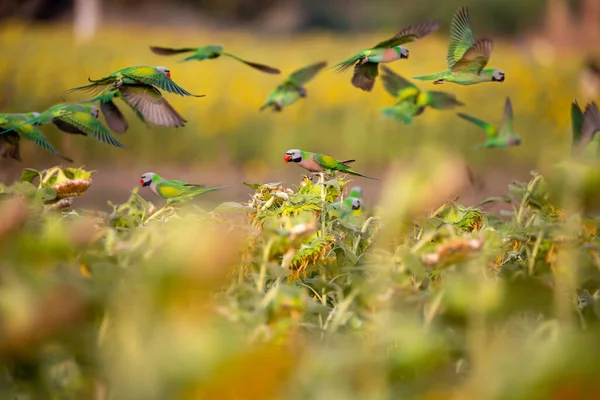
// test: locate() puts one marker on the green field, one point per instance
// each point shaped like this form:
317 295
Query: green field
274 295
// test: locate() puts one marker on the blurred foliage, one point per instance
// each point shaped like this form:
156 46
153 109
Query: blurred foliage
278 298
226 129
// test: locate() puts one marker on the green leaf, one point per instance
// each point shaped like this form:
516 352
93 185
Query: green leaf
29 174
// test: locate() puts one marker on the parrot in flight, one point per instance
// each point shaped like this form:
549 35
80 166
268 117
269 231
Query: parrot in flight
76 119
316 162
585 126
410 101
158 77
9 141
145 100
466 57
292 89
497 137
173 190
366 62
210 52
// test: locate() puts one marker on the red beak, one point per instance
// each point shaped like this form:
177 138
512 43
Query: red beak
168 74
287 158
141 181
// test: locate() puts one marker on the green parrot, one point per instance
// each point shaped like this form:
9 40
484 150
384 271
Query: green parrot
173 190
9 141
76 119
210 52
366 62
497 137
350 209
159 77
316 162
466 57
585 126
292 89
145 100
410 101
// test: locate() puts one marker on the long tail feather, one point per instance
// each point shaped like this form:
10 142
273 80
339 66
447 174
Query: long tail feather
430 77
347 64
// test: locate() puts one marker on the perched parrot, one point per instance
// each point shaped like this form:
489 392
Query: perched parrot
410 101
497 137
366 62
174 190
315 162
76 119
159 77
145 100
210 52
350 208
292 89
585 127
466 57
9 141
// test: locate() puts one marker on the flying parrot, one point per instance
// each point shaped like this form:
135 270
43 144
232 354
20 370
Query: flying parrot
146 101
9 141
585 127
316 162
173 190
410 100
76 119
366 62
158 77
292 89
497 137
466 57
210 52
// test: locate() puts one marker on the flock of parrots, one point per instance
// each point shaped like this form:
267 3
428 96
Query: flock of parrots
140 88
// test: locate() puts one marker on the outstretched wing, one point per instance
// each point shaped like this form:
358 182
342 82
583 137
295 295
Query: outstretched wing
154 77
489 129
364 75
476 58
461 36
410 34
88 124
442 100
33 134
167 51
394 83
260 67
591 122
303 75
576 122
151 105
507 121
114 117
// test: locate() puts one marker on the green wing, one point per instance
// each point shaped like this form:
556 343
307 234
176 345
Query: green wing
476 58
394 83
461 36
154 77
151 105
442 100
591 122
505 130
260 67
490 130
365 75
34 135
168 189
303 75
88 124
576 122
329 162
410 34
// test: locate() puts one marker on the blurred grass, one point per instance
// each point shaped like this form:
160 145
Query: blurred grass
225 128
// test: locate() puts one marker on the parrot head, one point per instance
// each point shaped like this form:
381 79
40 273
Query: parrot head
514 140
94 111
294 155
356 204
146 179
165 71
402 51
498 76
